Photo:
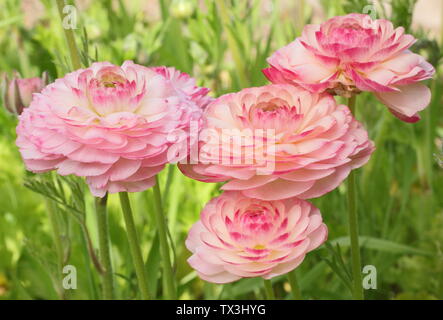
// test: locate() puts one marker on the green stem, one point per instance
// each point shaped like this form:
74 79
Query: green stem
301 16
58 244
168 274
169 180
164 8
86 257
296 293
70 39
134 245
353 227
233 46
269 291
379 141
430 129
441 27
104 247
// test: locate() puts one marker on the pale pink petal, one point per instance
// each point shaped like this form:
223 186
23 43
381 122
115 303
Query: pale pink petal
408 101
279 189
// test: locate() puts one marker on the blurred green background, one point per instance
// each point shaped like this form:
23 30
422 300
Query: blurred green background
400 197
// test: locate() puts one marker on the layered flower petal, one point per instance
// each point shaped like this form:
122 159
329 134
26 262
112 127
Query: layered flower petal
277 142
240 237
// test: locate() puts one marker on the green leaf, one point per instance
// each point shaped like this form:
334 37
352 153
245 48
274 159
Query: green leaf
34 278
381 245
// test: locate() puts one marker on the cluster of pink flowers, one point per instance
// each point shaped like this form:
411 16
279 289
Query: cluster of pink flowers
314 145
275 145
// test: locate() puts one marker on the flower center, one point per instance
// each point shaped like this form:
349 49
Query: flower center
256 221
109 92
275 115
267 106
259 247
111 80
352 26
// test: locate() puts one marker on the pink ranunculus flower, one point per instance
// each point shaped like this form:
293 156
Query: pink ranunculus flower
240 237
353 53
314 144
107 123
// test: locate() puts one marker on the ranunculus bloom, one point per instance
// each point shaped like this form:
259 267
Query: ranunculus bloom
109 124
314 144
17 92
354 53
239 237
